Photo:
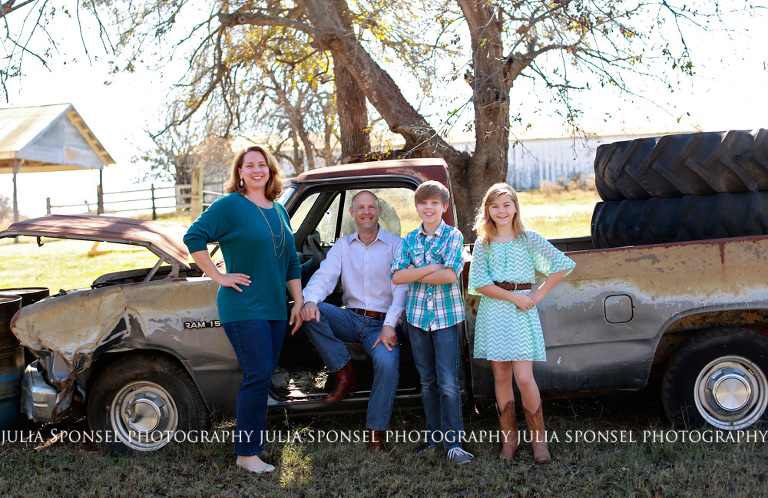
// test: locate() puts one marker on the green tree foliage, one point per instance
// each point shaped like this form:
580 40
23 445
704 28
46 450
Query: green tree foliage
273 76
564 45
300 67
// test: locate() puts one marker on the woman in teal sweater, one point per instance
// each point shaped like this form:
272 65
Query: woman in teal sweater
255 237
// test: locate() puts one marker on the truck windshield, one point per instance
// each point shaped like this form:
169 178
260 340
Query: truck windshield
285 194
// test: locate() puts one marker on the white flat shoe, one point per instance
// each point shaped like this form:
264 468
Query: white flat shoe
258 470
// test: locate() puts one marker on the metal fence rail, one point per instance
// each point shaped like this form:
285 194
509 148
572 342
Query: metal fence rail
154 199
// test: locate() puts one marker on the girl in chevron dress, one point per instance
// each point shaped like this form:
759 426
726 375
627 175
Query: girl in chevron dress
507 330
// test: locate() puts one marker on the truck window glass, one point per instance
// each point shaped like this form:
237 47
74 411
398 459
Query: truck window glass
301 213
325 230
398 212
327 226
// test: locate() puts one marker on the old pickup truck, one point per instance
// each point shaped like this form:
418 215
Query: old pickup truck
143 354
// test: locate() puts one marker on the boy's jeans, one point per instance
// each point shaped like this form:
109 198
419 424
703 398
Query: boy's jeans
338 326
436 355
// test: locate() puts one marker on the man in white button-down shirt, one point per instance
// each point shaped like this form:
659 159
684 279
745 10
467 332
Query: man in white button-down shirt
373 306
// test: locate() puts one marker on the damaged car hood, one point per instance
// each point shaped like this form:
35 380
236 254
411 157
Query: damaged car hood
165 240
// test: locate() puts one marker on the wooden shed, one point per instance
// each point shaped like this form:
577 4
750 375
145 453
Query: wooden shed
47 138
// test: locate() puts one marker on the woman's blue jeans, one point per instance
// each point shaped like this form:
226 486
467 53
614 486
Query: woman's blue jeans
257 344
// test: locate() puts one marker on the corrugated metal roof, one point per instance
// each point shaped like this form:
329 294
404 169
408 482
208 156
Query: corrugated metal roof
48 138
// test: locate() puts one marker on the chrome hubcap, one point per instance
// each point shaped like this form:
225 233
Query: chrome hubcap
731 392
144 416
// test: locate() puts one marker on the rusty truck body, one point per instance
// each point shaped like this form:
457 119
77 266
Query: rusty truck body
142 352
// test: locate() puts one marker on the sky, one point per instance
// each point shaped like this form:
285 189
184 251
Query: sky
727 92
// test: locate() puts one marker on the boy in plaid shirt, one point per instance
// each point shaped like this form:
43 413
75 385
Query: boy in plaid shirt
430 262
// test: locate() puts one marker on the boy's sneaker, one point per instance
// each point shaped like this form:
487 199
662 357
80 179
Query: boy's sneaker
459 456
423 448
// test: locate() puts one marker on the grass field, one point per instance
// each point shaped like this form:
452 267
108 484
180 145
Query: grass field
638 455
614 445
69 264
62 264
558 213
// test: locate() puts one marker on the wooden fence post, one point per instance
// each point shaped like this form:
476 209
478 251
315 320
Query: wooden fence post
154 209
196 197
99 200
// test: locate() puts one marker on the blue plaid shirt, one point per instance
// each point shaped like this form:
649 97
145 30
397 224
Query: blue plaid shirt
433 307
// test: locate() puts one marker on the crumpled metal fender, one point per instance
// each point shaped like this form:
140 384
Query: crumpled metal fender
69 332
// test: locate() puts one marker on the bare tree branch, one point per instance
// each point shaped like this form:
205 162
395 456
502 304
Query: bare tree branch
252 18
10 6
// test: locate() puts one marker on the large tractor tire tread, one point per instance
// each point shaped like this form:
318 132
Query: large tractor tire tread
658 220
687 164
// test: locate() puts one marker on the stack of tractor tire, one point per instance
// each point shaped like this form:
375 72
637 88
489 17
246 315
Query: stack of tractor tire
677 188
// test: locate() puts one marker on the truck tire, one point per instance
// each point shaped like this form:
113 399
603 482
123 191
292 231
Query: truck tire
656 221
686 164
139 403
718 378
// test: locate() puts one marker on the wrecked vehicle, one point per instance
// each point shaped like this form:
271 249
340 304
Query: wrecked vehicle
144 354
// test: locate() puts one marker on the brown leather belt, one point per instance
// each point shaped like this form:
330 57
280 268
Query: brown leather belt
512 286
378 315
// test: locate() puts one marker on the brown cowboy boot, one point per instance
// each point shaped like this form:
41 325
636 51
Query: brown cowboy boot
346 379
538 435
376 441
510 443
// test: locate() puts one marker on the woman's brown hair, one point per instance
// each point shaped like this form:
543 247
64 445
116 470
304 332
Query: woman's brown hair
275 183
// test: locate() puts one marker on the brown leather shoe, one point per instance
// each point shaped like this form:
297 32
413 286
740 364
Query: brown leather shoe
346 379
510 441
376 441
538 435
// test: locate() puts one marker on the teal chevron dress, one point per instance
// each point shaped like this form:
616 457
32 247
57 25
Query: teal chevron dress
502 331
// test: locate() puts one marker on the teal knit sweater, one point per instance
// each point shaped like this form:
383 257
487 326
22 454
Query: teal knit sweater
247 247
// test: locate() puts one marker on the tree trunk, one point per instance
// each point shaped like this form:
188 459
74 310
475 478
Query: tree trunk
350 100
383 93
489 162
330 28
309 150
183 166
297 159
353 115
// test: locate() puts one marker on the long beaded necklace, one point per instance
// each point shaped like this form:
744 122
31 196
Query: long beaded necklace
280 244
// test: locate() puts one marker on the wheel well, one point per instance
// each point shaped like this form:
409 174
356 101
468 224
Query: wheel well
684 329
107 359
153 384
718 379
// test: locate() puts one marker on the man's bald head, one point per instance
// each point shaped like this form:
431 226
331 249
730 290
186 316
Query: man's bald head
365 210
365 193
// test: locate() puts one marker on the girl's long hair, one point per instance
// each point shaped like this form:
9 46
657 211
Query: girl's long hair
485 226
